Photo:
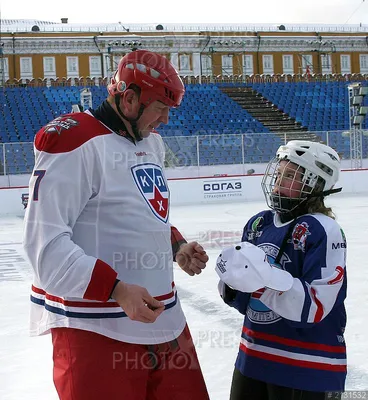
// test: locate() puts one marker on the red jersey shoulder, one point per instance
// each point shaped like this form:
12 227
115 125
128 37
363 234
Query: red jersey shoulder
68 132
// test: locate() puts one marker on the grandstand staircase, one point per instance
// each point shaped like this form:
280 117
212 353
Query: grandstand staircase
278 122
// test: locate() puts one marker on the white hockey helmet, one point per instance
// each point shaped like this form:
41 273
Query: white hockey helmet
318 167
317 159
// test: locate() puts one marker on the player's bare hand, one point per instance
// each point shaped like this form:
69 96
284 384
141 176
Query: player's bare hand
137 303
192 258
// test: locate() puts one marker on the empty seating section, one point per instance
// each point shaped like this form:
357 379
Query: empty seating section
26 110
19 158
208 128
205 110
211 115
320 106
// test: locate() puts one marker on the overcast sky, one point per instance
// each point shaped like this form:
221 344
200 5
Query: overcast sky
191 11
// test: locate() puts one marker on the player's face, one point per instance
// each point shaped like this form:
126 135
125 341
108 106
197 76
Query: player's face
288 180
153 116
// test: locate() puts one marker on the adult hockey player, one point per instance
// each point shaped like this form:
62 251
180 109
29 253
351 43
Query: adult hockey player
98 236
288 278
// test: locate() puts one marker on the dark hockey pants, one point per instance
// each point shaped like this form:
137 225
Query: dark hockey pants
244 388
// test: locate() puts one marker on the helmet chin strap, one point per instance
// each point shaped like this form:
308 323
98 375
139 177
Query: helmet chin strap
324 193
132 121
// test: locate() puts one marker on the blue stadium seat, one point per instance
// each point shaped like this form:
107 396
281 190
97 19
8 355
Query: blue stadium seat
205 112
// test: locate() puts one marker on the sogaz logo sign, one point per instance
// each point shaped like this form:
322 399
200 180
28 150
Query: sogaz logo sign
217 189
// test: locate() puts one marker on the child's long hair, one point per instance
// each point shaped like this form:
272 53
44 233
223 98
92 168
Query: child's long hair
317 205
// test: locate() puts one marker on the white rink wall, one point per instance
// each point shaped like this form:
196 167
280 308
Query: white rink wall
200 186
191 191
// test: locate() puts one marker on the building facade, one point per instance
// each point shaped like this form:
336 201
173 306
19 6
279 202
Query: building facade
45 50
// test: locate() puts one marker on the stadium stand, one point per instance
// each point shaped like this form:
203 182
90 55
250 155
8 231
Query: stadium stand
227 132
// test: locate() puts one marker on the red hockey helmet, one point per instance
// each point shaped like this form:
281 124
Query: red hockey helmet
153 74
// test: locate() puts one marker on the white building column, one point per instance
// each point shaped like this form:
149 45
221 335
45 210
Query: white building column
106 65
174 58
196 60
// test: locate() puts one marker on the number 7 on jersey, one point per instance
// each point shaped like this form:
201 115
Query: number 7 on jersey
40 173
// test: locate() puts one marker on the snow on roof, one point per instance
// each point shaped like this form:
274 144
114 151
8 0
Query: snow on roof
25 25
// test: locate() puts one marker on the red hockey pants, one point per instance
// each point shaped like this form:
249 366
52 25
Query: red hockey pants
89 366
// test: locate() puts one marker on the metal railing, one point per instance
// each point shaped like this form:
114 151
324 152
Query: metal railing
193 79
200 150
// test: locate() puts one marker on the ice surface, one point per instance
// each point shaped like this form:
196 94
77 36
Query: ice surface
26 363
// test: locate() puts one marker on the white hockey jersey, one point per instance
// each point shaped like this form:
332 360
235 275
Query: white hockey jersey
98 211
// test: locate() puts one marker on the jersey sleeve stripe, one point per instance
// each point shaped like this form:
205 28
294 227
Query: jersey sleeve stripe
101 283
319 313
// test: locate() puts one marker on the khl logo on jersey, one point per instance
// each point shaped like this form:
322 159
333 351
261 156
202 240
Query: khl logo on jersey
151 183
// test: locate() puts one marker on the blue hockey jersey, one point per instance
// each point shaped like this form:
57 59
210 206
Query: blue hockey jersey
296 338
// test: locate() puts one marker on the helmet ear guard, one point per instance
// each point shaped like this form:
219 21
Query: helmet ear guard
310 179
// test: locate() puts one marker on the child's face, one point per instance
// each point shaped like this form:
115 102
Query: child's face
288 180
